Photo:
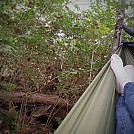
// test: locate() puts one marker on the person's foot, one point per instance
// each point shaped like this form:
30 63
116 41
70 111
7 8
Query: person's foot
120 73
130 72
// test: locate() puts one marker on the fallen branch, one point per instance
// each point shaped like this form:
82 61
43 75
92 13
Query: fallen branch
18 97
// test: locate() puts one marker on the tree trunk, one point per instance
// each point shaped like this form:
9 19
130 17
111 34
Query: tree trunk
119 22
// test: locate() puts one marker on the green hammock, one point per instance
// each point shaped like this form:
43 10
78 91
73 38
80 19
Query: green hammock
94 113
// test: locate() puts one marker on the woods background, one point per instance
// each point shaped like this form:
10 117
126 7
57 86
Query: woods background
50 51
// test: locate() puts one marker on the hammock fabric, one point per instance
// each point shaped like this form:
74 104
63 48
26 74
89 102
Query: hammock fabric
94 112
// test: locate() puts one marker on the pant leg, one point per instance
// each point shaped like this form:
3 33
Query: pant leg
129 98
123 119
120 124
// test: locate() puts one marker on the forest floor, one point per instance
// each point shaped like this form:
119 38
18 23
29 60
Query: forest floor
30 108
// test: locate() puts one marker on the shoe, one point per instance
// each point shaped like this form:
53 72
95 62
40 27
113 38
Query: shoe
121 75
130 72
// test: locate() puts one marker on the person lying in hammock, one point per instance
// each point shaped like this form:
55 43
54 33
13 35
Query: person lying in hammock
129 30
125 104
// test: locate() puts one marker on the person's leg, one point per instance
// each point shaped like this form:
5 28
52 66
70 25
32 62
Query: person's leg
129 98
120 111
124 122
124 119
